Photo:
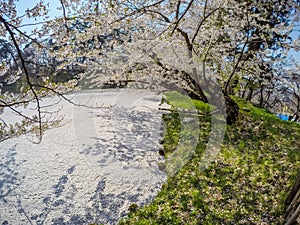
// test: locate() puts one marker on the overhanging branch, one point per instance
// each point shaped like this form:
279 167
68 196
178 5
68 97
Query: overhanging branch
12 35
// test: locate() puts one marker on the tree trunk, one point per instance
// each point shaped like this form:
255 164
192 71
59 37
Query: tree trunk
249 97
232 110
261 100
196 92
292 203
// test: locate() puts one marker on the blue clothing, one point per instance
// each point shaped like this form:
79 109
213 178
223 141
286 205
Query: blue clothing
283 117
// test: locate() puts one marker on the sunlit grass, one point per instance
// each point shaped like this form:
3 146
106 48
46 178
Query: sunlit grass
246 184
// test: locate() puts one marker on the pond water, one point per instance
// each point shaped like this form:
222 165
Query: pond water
91 168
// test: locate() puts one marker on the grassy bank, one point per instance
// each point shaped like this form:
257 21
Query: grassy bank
246 184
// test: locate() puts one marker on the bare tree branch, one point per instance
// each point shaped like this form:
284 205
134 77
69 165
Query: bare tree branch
5 104
239 60
202 22
62 95
27 36
138 10
65 15
178 9
185 11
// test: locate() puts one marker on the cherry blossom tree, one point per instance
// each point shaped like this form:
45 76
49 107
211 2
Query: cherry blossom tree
172 40
289 88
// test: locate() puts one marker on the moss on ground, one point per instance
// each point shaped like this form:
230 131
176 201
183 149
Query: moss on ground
246 184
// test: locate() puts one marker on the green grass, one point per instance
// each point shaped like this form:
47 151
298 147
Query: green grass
246 184
180 101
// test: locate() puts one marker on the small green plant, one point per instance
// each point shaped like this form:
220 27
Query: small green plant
133 207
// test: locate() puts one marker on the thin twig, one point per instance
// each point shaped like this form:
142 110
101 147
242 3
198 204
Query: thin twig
186 10
21 114
25 35
202 22
5 104
64 15
67 99
138 10
178 9
239 60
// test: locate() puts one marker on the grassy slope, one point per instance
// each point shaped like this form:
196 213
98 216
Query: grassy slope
247 183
